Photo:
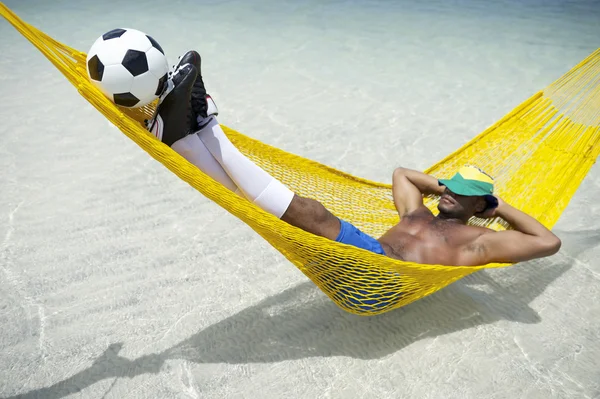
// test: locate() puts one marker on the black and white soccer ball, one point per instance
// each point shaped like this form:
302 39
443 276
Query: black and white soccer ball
128 66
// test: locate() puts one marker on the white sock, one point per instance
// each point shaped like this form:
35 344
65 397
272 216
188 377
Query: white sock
191 148
257 185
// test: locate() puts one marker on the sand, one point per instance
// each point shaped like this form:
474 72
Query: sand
118 280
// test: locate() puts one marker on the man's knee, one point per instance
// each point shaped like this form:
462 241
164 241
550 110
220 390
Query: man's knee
310 215
302 210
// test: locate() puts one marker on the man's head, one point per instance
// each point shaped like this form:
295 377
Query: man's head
467 193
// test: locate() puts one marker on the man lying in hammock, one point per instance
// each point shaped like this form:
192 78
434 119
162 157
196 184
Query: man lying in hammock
185 121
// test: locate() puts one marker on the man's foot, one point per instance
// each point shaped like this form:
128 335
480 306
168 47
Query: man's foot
202 103
174 117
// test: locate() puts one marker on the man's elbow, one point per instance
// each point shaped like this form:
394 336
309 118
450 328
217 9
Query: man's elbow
400 176
551 245
398 172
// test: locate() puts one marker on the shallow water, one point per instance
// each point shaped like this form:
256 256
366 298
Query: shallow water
118 280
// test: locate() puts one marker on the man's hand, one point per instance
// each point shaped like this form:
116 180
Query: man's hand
492 212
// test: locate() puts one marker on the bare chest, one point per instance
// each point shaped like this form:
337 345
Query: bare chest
430 241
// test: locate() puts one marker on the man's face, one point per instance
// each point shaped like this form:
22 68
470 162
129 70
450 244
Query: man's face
459 206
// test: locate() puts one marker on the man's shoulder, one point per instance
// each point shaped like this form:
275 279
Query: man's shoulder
474 239
422 212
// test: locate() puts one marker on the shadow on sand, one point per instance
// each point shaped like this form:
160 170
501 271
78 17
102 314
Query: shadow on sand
301 322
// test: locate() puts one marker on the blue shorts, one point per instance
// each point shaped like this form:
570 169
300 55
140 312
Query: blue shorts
352 236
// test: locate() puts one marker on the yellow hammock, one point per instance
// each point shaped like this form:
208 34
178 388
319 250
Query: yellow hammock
539 153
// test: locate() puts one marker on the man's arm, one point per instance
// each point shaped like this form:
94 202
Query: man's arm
528 240
409 186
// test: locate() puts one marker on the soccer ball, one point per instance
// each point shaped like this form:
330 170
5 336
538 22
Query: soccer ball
128 66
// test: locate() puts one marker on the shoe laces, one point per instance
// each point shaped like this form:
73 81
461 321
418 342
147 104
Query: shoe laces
173 70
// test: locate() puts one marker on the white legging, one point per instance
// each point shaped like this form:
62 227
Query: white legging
212 152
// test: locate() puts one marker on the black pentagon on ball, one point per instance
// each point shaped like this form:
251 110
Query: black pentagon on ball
113 34
135 62
95 68
125 99
155 44
161 85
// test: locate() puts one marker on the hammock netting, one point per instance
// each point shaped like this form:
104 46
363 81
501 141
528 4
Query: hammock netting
541 150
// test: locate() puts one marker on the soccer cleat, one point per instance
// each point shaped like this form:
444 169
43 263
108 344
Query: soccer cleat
202 103
190 57
174 117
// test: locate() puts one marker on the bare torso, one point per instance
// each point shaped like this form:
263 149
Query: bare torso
422 238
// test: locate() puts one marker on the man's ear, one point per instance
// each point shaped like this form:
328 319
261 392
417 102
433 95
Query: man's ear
481 205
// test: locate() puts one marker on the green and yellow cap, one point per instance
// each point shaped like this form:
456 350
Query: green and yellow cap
471 181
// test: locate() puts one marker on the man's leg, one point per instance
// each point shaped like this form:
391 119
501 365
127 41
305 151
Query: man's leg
264 190
254 183
310 215
274 197
193 150
181 138
183 109
212 152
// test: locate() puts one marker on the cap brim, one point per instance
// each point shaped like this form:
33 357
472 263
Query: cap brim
461 188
